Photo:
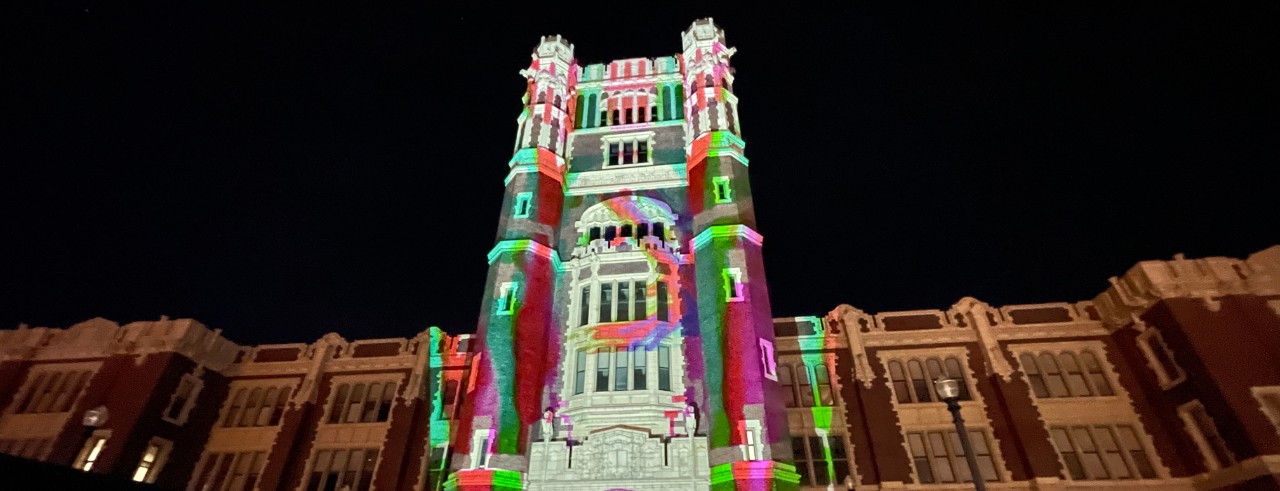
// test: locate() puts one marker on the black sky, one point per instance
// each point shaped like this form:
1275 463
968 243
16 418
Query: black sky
285 171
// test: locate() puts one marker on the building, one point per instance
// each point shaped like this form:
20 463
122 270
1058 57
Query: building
627 342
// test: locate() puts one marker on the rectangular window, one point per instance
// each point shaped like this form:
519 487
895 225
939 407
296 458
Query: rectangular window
939 457
732 284
1160 358
507 298
627 149
640 369
1202 429
522 205
153 458
788 386
640 307
662 301
52 392
1100 451
341 469
584 306
606 302
806 388
620 369
236 471
92 450
823 380
361 402
624 301
602 369
664 368
720 187
580 376
183 399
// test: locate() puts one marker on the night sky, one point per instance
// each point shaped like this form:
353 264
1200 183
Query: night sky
280 172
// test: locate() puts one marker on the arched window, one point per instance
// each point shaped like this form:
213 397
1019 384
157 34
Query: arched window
251 408
278 411
1053 376
1034 377
268 406
788 385
590 111
1075 377
806 388
823 379
919 386
899 378
1099 379
954 372
335 412
577 112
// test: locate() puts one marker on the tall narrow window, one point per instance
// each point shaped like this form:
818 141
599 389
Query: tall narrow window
626 230
899 378
1096 376
507 298
183 399
629 153
1053 375
580 372
604 118
638 289
653 113
732 284
679 101
788 385
1075 377
92 450
642 152
823 380
233 410
624 301
662 300
818 454
640 369
627 115
918 384
615 117
664 368
153 458
806 388
1034 378
584 306
591 111
800 452
606 302
522 205
620 369
578 109
642 230
1160 358
720 186
602 369
659 230
610 233
1201 428
615 153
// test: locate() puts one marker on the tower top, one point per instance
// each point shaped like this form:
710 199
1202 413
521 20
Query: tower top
703 32
556 47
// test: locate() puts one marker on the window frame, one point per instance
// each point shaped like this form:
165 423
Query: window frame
163 448
91 450
1148 348
628 146
523 205
366 383
722 189
1188 412
506 300
197 384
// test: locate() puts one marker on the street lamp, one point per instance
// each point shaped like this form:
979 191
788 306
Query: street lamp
949 390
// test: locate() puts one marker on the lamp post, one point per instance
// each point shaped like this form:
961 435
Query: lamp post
949 390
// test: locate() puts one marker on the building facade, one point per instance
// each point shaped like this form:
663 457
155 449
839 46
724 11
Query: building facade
626 341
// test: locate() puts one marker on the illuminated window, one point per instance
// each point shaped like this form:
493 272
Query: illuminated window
752 448
820 464
732 284
522 205
912 381
235 471
1102 452
153 458
1065 374
183 399
92 450
1204 432
720 186
361 402
939 458
1160 358
342 469
506 302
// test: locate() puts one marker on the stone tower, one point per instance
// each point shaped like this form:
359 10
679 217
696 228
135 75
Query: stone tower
625 335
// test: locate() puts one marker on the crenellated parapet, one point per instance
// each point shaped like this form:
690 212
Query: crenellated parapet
1208 278
101 338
